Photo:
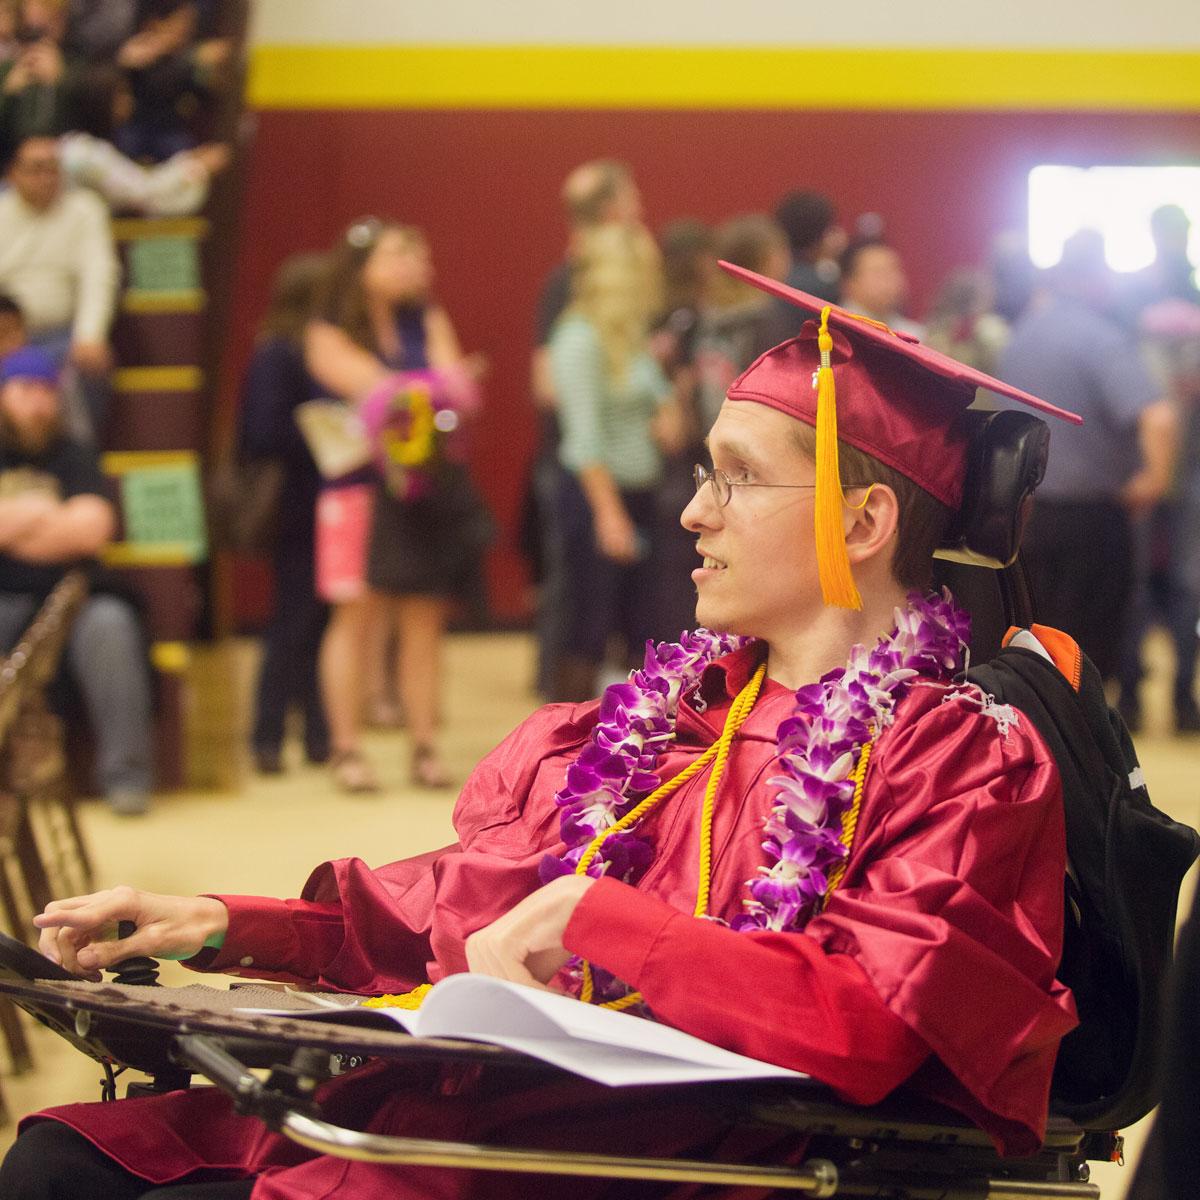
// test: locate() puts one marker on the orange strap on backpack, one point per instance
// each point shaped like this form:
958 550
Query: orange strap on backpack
1063 650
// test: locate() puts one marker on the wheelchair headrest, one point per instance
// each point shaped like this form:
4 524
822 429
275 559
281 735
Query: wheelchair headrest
1006 461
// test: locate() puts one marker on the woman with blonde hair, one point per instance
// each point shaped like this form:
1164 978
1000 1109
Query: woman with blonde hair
616 413
417 546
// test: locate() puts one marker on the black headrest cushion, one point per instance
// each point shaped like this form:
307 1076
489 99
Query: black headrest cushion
1006 461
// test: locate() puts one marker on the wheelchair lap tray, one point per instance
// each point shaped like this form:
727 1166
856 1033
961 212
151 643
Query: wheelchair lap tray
19 961
901 1148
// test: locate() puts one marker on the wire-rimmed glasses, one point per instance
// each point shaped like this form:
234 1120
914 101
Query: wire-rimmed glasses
723 486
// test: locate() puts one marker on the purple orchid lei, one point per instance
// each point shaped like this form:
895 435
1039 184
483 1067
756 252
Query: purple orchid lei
615 770
818 747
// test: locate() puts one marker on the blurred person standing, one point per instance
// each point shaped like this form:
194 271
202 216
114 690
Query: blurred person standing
689 264
417 554
57 260
1102 475
1171 276
816 240
614 406
1013 275
596 193
739 322
1167 541
275 384
963 321
54 516
873 283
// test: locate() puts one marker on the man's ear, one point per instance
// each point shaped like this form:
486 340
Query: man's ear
872 521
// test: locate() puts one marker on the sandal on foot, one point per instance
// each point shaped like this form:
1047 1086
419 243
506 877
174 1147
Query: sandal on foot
352 772
427 769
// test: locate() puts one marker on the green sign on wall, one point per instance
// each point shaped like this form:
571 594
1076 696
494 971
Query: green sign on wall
164 264
163 507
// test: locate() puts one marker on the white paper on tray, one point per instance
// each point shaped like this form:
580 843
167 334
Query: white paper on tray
609 1047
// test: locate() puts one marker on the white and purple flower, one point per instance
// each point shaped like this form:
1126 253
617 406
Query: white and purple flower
818 746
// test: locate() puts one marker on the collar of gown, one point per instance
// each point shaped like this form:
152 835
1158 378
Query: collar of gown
706 708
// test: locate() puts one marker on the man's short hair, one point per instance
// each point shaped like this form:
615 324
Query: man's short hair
922 522
805 217
12 149
855 250
10 308
592 187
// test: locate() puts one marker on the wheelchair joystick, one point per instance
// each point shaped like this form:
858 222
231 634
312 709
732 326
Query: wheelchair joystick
140 970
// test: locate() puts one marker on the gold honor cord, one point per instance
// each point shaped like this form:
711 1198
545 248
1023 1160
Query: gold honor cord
739 710
718 751
850 819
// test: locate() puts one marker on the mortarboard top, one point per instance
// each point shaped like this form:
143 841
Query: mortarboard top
895 399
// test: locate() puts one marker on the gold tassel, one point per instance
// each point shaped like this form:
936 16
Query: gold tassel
833 562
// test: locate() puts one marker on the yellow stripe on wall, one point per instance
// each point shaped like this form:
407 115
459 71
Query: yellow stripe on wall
121 462
165 554
158 379
409 76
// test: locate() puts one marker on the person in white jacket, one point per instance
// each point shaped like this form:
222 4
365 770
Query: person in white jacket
57 260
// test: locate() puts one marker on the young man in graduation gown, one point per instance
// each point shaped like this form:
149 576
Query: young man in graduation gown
865 884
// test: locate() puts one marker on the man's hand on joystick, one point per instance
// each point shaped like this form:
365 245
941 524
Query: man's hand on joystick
81 933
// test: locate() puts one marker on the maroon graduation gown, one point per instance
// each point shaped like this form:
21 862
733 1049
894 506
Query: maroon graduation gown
933 963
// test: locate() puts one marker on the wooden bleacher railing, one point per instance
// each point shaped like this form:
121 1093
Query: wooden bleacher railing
42 851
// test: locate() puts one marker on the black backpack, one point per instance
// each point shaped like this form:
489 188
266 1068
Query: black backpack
1125 863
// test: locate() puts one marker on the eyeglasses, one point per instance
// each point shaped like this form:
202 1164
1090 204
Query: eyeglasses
723 486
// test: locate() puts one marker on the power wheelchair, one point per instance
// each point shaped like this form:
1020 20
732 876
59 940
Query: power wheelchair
906 1148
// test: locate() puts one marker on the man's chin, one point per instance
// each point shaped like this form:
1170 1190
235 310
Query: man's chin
718 617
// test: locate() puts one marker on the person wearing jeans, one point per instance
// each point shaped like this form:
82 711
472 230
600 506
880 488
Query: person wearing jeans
54 517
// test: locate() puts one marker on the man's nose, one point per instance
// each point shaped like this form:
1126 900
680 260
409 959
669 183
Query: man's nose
701 511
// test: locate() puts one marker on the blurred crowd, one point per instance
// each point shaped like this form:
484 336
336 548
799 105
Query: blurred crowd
637 342
106 107
637 339
350 463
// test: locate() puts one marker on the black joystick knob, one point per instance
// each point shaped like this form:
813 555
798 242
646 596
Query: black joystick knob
139 971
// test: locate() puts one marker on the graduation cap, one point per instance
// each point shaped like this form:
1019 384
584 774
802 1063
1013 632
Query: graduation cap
878 389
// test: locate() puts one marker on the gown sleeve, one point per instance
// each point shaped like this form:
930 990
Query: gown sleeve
942 941
360 929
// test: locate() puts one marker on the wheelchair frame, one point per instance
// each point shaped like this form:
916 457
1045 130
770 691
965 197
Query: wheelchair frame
907 1148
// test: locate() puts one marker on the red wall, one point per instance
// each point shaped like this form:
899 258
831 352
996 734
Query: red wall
484 185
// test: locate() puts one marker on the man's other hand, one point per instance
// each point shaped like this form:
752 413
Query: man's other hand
92 358
526 944
80 933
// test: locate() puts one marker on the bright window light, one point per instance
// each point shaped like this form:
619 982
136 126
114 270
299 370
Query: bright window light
1116 201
